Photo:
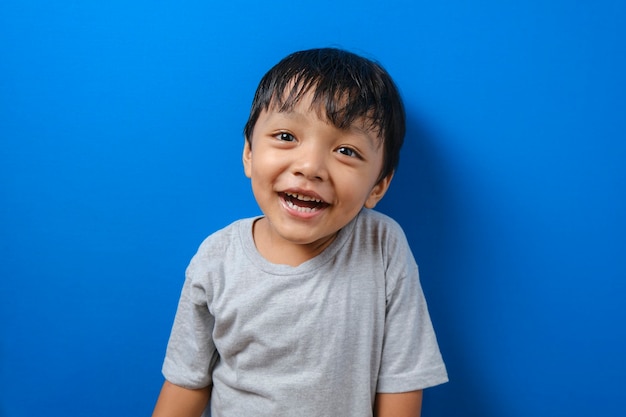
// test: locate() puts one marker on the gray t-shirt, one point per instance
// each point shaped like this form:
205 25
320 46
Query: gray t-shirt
319 339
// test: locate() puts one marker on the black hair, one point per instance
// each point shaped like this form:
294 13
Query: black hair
346 86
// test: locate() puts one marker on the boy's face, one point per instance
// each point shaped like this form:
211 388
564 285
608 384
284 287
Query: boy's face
309 178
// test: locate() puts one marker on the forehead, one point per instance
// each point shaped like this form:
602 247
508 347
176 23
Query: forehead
338 111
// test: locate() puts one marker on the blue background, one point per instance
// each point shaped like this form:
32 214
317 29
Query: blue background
120 129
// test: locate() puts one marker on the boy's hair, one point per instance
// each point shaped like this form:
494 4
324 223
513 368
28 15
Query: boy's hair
346 86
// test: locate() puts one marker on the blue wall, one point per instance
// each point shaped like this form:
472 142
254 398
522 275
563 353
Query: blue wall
120 130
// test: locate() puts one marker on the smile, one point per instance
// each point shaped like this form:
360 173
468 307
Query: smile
302 203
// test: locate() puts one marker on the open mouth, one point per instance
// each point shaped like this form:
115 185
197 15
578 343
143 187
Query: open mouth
303 203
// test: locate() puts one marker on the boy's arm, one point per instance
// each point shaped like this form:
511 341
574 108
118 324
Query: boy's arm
175 401
405 404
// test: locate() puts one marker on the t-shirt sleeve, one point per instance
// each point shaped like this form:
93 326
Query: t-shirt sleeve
191 352
411 359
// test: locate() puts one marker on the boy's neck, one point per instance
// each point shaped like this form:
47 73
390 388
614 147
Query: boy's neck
281 252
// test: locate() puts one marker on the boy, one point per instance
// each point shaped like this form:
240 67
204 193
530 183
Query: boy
314 308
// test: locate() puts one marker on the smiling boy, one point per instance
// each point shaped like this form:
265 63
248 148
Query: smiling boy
314 308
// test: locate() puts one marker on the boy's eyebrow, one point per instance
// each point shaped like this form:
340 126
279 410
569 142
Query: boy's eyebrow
291 114
373 139
359 126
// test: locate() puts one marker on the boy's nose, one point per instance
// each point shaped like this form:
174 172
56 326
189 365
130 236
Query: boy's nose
311 164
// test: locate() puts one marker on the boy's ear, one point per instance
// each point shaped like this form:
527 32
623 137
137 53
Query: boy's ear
378 191
247 158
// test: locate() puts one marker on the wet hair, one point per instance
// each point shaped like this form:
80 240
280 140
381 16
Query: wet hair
346 88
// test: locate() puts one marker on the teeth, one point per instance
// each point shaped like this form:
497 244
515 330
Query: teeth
303 197
300 209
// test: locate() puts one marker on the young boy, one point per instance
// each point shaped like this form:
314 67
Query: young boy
314 308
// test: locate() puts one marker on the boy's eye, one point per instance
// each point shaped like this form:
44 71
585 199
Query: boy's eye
286 137
348 152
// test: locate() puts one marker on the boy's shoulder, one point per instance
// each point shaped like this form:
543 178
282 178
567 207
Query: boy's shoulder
377 233
371 215
379 222
218 249
218 241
